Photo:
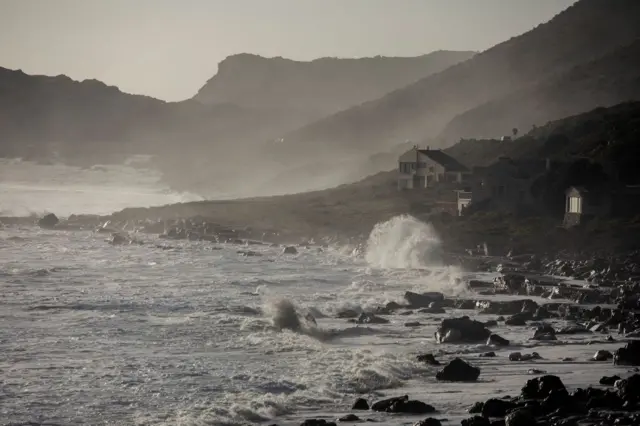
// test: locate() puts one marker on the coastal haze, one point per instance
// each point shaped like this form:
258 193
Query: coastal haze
287 212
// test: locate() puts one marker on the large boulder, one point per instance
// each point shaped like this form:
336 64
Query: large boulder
290 250
522 417
49 221
541 387
402 404
497 407
466 330
629 354
629 388
424 300
458 371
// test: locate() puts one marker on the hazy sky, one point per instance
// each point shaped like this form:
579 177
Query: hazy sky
169 48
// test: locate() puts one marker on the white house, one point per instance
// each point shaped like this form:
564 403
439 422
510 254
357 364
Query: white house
424 168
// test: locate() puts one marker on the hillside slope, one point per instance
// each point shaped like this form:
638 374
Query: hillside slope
607 81
320 87
587 30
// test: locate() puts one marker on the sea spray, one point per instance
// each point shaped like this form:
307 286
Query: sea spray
403 242
410 250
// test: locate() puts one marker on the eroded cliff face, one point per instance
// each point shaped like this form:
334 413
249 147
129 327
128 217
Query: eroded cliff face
319 87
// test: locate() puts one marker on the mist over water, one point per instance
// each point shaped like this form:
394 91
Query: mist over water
29 188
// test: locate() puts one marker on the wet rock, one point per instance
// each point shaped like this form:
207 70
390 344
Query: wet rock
490 323
609 380
517 356
629 389
361 404
467 330
290 250
476 408
573 329
404 405
349 418
628 355
365 318
535 372
476 421
519 319
317 422
433 308
496 340
428 422
49 221
488 354
541 387
521 417
428 359
458 371
423 300
497 407
349 313
412 324
602 355
544 333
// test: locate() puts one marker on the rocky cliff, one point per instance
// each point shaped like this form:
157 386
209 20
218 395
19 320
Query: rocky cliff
319 87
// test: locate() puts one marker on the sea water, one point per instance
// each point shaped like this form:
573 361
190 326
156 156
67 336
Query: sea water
195 333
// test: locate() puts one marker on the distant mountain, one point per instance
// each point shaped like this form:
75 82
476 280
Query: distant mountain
320 87
44 117
584 32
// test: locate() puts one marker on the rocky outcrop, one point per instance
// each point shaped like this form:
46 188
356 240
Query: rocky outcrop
317 88
402 404
462 329
458 371
49 221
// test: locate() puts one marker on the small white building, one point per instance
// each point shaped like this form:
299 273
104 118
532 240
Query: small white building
424 168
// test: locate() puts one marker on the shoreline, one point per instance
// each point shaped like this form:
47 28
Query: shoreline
517 319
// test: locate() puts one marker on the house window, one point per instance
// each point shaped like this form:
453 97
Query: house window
575 205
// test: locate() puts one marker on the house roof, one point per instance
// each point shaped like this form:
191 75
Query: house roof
446 161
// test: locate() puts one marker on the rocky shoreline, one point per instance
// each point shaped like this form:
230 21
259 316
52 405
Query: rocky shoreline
605 304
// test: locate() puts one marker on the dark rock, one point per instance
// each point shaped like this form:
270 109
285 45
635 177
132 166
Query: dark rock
476 421
433 308
519 319
517 356
461 329
629 388
602 355
290 250
49 221
423 300
490 323
609 380
428 359
544 332
541 387
497 407
361 404
349 313
317 422
412 324
349 418
629 354
494 339
521 417
573 329
428 422
488 355
476 408
402 404
365 318
458 371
